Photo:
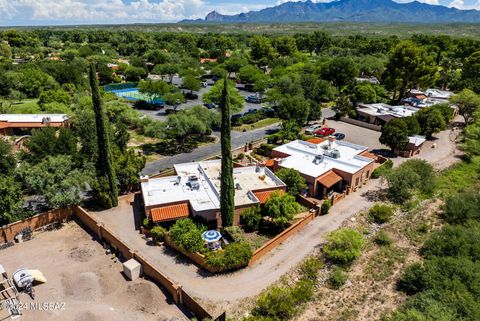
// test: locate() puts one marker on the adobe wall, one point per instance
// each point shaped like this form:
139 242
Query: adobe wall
8 232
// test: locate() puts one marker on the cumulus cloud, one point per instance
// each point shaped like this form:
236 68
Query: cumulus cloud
100 11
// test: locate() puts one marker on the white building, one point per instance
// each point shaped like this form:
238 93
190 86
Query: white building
329 166
380 114
195 191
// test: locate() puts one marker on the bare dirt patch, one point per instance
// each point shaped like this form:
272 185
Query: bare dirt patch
87 282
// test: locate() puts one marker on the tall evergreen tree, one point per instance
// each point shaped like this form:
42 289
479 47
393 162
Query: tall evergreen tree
104 166
227 192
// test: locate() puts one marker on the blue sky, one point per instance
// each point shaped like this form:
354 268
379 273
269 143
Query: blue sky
47 12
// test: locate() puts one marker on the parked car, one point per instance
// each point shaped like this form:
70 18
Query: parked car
339 136
310 130
204 84
254 99
251 111
210 105
327 131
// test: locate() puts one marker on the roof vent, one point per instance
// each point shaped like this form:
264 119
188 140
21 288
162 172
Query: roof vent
318 159
238 187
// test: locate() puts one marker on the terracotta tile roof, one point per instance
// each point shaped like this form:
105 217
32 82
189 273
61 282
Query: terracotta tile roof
369 155
264 195
270 163
329 179
316 140
170 212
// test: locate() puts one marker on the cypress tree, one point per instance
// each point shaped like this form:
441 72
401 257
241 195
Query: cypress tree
227 192
104 166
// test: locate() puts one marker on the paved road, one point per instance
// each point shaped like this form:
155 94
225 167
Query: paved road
238 139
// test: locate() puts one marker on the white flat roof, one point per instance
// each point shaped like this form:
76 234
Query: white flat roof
302 156
417 140
172 189
33 118
385 109
437 93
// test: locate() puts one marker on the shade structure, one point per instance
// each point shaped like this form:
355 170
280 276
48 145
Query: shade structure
211 236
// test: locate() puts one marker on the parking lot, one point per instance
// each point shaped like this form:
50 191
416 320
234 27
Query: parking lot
357 135
161 114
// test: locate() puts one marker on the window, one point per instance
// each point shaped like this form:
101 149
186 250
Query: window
357 181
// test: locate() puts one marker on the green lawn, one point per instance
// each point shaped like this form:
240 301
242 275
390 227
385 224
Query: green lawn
259 124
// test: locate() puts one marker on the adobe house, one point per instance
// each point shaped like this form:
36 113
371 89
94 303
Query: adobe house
414 146
328 166
10 124
195 191
379 114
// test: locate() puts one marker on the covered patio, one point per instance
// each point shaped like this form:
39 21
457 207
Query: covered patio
329 183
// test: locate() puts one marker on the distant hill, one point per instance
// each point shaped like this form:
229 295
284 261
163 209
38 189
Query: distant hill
351 11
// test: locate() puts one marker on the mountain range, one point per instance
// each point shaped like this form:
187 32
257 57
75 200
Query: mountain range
349 11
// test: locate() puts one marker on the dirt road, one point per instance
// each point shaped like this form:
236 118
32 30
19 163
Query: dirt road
225 290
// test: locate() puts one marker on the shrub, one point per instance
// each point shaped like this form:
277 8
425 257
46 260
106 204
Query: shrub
343 246
236 233
380 213
251 218
295 182
383 169
264 150
158 233
277 303
383 239
325 208
411 281
281 302
281 208
187 235
235 256
310 268
147 223
337 278
461 208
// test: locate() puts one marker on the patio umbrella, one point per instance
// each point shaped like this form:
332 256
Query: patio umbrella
211 236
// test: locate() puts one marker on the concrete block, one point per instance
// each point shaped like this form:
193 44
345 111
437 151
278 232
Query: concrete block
132 269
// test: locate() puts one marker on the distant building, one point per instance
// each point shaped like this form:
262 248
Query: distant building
11 124
380 114
328 166
414 146
429 98
372 80
211 60
195 191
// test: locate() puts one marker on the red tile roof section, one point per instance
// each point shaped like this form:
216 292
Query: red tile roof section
329 179
263 196
316 140
170 212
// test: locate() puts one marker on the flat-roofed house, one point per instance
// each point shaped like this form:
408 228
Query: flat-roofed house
10 123
195 191
380 114
414 146
328 166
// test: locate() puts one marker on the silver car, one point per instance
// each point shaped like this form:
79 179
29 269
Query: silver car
310 130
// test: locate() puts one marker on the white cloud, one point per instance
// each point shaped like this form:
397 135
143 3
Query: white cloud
100 11
459 4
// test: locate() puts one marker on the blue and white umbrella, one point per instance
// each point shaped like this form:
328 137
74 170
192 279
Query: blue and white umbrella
211 236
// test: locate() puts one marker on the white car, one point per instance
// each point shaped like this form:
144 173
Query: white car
310 130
